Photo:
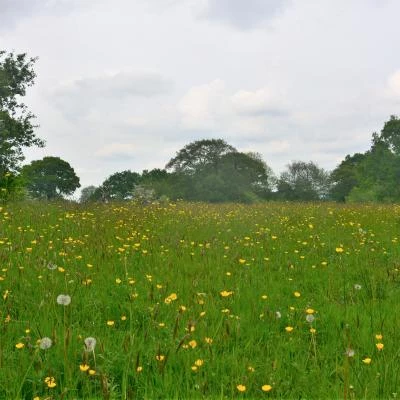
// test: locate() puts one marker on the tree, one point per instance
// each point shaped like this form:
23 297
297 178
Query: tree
346 176
378 175
87 193
16 122
303 181
212 170
199 154
119 186
390 134
50 178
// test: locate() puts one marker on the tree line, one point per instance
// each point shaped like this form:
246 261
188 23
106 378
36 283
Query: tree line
208 170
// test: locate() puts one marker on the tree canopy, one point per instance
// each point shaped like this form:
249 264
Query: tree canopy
16 122
50 178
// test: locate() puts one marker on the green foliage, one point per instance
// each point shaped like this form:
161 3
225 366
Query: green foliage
87 193
345 177
192 301
118 186
11 187
50 178
303 181
16 122
390 134
214 171
200 154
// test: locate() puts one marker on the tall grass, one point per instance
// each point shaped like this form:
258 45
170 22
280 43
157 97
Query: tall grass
200 301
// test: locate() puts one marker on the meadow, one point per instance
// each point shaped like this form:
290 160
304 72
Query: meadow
192 301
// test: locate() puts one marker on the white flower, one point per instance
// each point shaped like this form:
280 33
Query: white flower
349 352
64 299
90 343
278 315
45 343
310 318
357 286
51 266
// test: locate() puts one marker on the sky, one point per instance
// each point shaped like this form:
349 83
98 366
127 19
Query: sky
125 84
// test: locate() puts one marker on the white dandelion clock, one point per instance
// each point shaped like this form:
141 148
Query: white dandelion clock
63 299
90 343
45 343
310 318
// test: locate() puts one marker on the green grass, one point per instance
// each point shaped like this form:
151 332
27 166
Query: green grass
158 273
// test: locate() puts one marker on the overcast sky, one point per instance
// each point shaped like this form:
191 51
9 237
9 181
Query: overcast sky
124 84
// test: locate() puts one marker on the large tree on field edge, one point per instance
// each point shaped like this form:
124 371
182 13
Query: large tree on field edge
50 178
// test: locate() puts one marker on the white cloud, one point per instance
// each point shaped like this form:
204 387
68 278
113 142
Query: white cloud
117 150
243 14
212 108
89 97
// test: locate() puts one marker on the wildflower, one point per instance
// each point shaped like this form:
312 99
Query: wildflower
379 336
160 357
266 388
90 343
226 293
357 286
139 368
264 297
313 330
123 317
50 382
110 323
199 362
297 294
339 249
250 368
278 315
51 266
84 367
310 311
63 299
194 368
310 318
367 360
241 388
172 297
289 328
349 352
242 260
20 345
91 371
45 343
208 340
379 346
193 344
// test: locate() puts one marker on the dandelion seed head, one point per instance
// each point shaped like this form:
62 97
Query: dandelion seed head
63 299
90 343
310 318
45 343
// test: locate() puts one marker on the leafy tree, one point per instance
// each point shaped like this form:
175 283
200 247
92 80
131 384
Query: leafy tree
199 154
119 186
378 175
87 193
390 134
212 170
303 181
346 176
50 178
16 122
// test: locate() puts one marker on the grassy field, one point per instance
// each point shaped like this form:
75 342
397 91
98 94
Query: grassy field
199 301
